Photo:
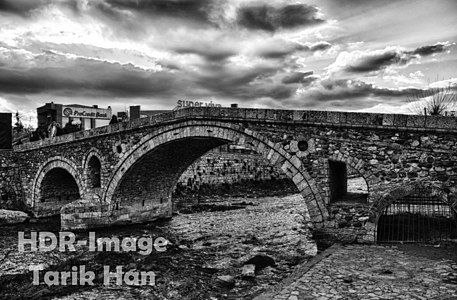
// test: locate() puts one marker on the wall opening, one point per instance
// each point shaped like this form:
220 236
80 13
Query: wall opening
417 218
59 185
94 172
338 180
346 184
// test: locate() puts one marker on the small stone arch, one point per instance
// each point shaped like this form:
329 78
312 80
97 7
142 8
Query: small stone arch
407 188
92 173
48 165
441 201
356 164
273 152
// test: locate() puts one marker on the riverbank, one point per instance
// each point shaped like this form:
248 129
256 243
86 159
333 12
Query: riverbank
204 260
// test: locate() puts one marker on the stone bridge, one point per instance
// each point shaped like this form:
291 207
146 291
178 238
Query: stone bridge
126 172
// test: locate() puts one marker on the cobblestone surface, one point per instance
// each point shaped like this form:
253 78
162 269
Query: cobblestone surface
372 272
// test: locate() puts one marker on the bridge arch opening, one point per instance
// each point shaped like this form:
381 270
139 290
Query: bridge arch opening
230 170
58 188
418 213
94 172
144 180
150 181
56 184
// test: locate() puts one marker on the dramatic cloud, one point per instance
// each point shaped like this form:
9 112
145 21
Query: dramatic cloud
197 10
58 74
210 54
271 18
348 88
368 61
276 48
432 49
299 77
21 7
256 53
89 78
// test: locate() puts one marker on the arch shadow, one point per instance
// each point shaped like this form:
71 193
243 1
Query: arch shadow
48 166
93 168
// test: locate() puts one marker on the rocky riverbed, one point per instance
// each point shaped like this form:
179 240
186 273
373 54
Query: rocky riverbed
204 259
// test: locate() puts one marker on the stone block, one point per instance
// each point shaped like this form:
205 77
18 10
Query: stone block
357 118
251 114
296 161
261 114
316 116
303 187
298 178
400 120
375 119
224 112
284 115
333 117
213 111
271 114
441 122
416 121
297 115
237 113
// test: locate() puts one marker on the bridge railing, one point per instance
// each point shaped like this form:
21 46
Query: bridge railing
316 118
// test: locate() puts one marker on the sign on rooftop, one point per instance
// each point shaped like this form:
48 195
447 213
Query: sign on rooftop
187 103
86 112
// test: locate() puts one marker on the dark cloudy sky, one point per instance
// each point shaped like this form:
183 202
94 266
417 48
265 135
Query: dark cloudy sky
357 55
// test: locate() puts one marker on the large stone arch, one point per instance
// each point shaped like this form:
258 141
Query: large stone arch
48 165
273 152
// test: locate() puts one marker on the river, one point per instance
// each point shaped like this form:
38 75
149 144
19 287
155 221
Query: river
205 248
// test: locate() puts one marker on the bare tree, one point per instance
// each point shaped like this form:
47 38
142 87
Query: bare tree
433 101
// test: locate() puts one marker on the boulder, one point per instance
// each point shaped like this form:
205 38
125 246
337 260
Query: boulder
12 217
226 280
261 261
248 271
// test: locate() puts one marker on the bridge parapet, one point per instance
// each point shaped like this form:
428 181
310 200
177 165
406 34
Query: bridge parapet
308 117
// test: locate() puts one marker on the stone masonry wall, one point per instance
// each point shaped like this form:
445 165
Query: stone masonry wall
11 196
223 166
218 167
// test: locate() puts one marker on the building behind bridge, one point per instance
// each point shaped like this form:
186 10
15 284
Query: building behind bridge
86 117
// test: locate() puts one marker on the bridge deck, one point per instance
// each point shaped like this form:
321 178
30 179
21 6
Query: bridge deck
308 117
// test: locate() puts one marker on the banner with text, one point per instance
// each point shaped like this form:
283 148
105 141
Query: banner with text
85 112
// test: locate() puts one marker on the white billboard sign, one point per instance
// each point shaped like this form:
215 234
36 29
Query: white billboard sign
86 112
